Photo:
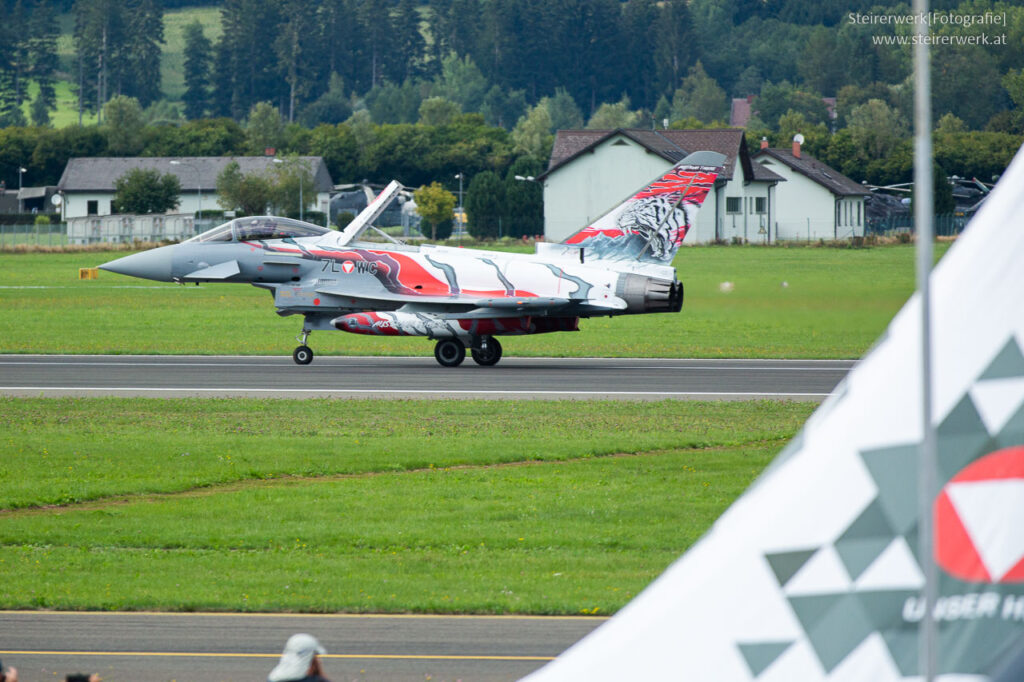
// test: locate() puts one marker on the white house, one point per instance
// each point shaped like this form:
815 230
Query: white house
87 185
816 201
592 171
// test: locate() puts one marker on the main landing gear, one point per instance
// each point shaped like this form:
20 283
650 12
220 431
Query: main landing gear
486 351
303 355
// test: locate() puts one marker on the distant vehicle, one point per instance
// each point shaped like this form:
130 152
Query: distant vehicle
459 297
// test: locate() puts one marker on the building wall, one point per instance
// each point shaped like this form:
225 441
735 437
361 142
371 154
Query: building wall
740 211
808 211
76 204
583 190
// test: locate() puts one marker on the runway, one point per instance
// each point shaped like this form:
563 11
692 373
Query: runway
208 647
213 647
418 377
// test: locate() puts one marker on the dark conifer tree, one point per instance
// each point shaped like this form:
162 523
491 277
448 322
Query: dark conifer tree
198 58
407 55
43 60
144 34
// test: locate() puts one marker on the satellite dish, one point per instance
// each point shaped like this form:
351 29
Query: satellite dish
56 200
798 138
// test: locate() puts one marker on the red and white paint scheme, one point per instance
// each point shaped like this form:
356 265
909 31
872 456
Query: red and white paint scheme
461 298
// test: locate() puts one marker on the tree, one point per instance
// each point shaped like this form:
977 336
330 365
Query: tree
331 107
12 67
501 109
524 200
297 64
816 136
292 179
699 97
98 37
461 82
565 113
876 128
609 116
124 126
532 135
405 58
438 111
143 190
435 205
264 128
143 37
251 193
485 203
389 103
777 99
674 43
43 61
198 59
942 192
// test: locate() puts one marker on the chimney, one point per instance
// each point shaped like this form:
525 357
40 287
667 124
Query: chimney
764 143
798 140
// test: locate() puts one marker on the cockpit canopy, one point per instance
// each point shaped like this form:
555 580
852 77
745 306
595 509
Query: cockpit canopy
256 228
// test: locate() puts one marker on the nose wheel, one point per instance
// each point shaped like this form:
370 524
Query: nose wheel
303 355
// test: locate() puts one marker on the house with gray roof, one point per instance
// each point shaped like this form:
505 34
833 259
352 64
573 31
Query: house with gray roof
816 201
592 171
87 185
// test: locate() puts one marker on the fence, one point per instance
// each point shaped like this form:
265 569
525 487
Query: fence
33 235
945 225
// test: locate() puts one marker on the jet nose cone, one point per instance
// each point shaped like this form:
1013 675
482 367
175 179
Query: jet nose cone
153 264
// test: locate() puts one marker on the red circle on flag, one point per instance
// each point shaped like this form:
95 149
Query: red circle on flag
974 514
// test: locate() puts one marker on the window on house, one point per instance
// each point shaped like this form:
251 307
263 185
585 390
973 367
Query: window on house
858 213
760 204
92 207
733 205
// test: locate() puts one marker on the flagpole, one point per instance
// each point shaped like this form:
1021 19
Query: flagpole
923 210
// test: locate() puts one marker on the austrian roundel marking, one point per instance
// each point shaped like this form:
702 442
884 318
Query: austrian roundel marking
347 267
977 520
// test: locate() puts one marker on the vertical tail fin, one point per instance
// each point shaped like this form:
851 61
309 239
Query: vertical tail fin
650 225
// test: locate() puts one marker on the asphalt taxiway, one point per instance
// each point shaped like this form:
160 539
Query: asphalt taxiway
213 647
415 377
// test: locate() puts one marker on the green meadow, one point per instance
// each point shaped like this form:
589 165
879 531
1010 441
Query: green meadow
327 506
557 507
784 303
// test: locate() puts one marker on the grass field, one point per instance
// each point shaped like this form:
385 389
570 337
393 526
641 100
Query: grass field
786 302
442 507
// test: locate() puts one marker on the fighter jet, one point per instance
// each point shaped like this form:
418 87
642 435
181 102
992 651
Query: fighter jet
461 298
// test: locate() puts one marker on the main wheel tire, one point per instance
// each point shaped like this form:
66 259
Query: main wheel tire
490 356
450 352
303 355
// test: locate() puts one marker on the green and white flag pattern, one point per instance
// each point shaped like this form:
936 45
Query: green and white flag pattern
814 573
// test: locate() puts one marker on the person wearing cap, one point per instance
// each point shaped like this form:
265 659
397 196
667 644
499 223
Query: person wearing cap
299 662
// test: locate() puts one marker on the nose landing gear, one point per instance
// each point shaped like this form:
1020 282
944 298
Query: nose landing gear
303 355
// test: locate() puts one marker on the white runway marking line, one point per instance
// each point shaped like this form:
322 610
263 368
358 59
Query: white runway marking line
348 364
385 391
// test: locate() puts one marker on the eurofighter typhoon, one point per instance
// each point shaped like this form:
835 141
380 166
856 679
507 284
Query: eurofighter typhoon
461 298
